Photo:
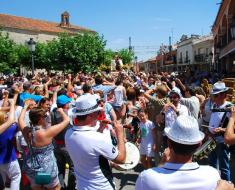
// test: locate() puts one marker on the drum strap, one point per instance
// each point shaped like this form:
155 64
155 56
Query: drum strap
223 123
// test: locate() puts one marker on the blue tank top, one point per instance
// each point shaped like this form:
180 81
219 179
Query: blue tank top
7 149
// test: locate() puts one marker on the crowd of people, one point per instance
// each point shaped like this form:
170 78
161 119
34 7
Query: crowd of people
51 124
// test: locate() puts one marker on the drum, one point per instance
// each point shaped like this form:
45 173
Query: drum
132 157
204 150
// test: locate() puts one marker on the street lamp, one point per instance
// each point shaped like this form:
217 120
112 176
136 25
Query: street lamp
136 59
31 46
211 61
232 28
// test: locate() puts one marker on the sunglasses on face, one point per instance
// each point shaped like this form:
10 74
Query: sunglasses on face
216 95
174 97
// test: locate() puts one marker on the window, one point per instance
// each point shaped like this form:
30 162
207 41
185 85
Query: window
207 51
199 51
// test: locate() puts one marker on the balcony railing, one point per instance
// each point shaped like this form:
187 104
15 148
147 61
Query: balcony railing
201 58
186 60
180 61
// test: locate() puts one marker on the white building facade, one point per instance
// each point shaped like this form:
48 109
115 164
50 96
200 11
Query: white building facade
195 53
21 29
203 53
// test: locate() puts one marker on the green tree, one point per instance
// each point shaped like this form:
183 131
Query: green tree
8 54
24 57
126 56
71 53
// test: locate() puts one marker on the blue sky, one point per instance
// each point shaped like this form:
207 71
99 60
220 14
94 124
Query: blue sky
148 22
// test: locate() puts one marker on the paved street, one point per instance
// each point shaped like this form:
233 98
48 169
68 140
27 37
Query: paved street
125 180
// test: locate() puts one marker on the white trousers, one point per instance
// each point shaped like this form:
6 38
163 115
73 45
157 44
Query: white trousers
12 172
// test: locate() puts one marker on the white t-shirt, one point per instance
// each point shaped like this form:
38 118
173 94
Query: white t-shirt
90 152
215 121
146 133
19 136
170 115
192 104
17 112
119 97
189 176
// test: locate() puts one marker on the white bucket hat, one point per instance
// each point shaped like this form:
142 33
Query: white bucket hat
185 131
219 87
85 104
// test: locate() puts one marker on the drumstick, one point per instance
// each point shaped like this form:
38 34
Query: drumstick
129 163
206 126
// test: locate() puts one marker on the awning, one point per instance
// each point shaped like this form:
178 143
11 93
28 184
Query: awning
227 49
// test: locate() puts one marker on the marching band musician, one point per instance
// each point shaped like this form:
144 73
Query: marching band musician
217 127
179 171
229 138
90 150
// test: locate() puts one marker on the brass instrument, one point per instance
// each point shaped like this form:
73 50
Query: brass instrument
204 150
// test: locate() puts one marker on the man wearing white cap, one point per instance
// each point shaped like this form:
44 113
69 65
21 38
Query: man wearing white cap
218 123
172 110
91 150
180 172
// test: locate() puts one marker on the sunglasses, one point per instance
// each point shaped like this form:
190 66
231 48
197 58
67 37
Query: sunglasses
173 97
216 95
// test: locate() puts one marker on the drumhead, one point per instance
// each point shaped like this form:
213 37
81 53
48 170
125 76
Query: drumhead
132 157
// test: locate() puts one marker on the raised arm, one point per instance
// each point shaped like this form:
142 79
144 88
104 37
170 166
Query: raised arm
148 93
10 119
54 97
46 88
44 137
69 86
21 122
120 159
229 136
178 81
5 99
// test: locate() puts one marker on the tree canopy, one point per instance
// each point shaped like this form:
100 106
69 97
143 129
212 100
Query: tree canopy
84 52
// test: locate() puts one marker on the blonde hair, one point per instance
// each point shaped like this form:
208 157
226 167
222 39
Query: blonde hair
2 117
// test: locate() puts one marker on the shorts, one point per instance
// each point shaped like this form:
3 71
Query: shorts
117 108
54 182
146 150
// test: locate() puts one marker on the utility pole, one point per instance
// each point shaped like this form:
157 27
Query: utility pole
130 47
170 47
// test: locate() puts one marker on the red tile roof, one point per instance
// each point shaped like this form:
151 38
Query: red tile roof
9 21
